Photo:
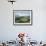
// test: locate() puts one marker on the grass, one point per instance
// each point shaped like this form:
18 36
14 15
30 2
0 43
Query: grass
22 19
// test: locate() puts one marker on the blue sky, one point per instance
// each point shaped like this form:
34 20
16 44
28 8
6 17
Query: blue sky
23 13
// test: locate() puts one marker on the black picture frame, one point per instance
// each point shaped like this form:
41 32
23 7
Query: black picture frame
23 16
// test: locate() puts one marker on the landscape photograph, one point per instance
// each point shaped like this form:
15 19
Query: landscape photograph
22 16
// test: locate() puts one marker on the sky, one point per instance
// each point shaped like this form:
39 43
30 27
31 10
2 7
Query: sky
22 13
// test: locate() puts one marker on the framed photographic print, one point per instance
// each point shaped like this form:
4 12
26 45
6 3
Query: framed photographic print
22 17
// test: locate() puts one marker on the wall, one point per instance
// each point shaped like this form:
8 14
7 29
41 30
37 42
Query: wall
38 30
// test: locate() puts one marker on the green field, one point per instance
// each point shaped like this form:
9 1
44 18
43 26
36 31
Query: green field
22 19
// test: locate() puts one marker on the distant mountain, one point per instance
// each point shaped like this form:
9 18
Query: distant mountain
17 16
